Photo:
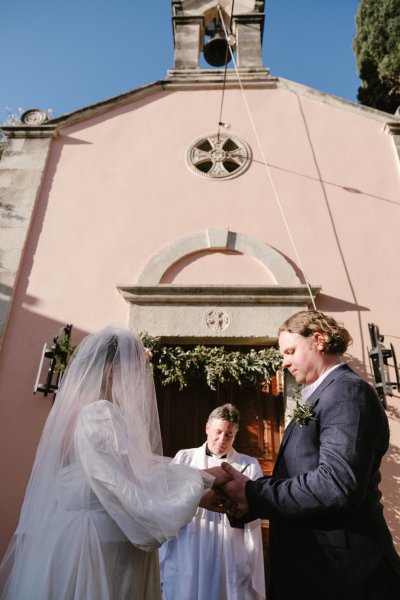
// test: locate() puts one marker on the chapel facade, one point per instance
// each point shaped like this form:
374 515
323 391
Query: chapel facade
202 209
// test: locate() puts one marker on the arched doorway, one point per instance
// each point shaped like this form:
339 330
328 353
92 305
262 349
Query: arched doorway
183 415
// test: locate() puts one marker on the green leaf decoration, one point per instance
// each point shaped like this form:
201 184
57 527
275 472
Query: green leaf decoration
64 349
214 364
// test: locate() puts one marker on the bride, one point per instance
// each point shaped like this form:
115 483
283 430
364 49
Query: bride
101 498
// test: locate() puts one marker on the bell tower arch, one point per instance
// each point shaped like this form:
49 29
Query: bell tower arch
208 28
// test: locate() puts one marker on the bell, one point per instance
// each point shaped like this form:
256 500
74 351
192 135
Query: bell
216 51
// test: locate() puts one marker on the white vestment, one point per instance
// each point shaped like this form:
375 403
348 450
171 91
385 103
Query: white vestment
210 560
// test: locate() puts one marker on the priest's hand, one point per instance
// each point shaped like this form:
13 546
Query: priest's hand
221 477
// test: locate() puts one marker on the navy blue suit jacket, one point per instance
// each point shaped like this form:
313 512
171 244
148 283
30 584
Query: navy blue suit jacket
328 536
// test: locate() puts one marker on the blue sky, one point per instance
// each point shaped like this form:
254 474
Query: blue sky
67 55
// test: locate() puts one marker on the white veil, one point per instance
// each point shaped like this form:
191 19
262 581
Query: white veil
108 370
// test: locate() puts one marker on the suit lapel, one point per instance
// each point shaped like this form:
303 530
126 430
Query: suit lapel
285 438
313 399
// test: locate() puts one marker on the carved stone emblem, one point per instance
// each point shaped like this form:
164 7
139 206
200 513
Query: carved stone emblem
217 320
219 156
34 116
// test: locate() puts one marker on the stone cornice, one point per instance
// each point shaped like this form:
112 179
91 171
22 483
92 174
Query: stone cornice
195 79
393 127
28 131
94 110
331 100
213 78
216 294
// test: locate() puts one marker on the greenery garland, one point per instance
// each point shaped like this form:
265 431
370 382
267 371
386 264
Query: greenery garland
63 350
175 364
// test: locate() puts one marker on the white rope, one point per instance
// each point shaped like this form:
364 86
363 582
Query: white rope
264 160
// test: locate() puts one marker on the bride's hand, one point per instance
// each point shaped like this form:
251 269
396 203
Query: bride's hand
216 501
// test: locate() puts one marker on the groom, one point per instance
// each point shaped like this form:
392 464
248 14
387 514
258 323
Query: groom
328 536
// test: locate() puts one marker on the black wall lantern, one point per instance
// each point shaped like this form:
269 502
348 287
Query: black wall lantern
379 358
58 356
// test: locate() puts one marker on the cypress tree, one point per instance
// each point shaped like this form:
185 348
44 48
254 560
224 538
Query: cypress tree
377 50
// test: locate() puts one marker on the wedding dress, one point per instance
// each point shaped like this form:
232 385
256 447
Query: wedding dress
101 498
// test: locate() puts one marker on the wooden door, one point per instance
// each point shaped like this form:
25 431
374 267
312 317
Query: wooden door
183 416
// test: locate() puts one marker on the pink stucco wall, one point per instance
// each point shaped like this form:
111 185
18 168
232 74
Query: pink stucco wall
117 190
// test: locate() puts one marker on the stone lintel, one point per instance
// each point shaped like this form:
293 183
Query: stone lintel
213 313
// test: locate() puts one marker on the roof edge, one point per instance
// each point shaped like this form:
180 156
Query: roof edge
325 97
176 81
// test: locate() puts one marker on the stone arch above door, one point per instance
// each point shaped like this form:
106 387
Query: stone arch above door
206 313
218 239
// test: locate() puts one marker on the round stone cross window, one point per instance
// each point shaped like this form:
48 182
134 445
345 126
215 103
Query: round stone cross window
219 156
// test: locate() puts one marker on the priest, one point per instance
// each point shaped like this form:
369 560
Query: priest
212 557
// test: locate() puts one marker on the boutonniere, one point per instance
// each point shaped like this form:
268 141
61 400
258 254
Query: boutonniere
304 411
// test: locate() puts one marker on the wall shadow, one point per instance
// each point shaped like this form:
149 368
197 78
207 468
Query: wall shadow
23 413
390 485
390 468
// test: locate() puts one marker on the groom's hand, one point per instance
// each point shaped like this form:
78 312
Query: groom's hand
235 489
